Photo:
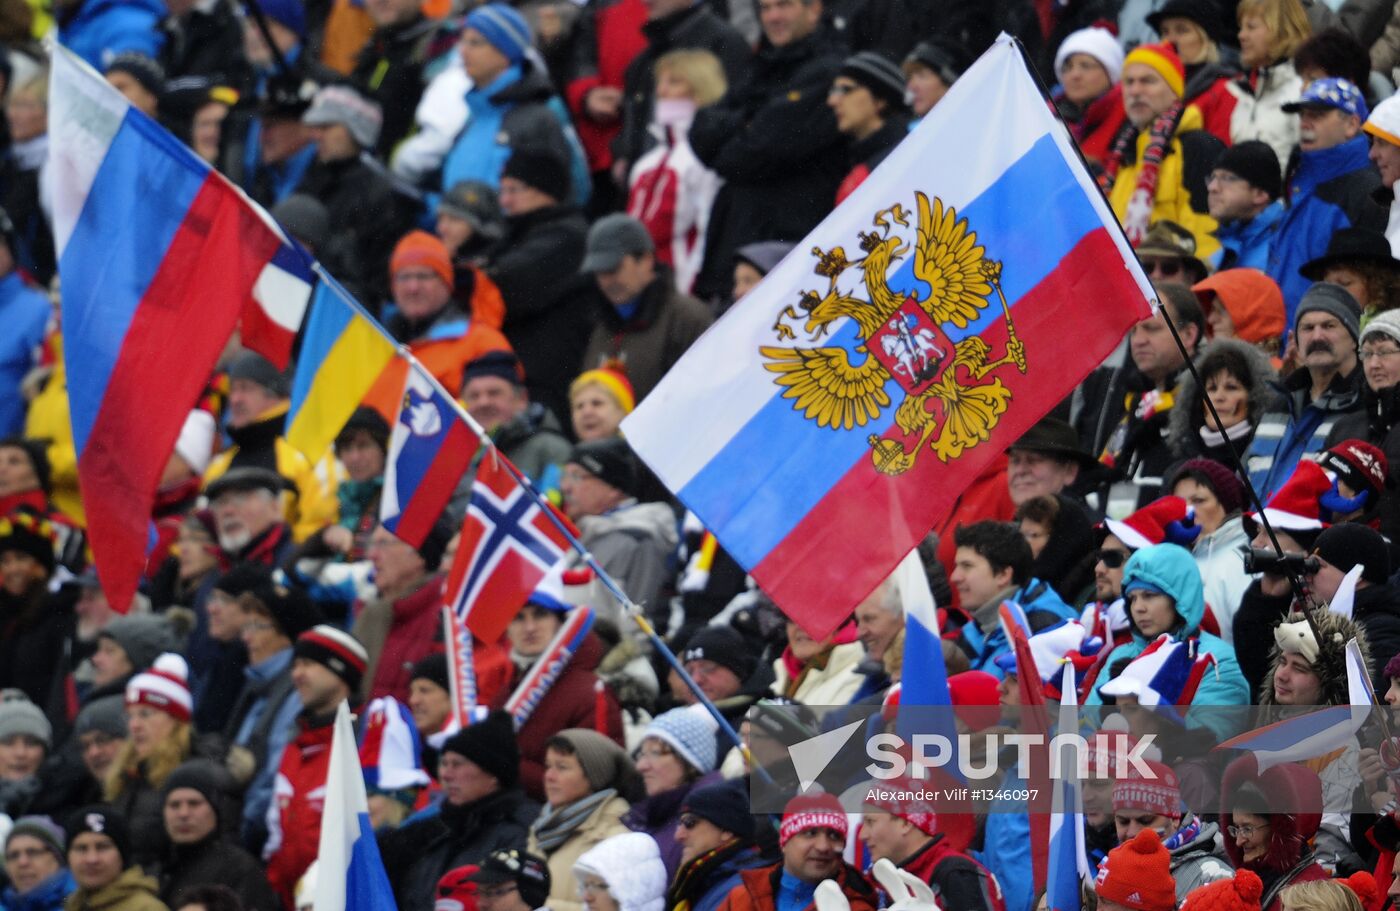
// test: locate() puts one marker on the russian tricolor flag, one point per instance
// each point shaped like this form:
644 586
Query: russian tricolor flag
1031 284
350 872
159 257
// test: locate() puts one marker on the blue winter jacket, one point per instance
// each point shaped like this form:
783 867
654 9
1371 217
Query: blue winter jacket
101 29
725 877
24 311
1245 244
1172 569
49 895
1296 427
1043 608
1331 189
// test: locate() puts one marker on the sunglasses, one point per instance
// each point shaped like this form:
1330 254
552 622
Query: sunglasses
1167 268
1113 559
688 821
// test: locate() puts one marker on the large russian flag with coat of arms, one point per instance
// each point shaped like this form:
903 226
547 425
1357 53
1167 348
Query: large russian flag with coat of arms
832 417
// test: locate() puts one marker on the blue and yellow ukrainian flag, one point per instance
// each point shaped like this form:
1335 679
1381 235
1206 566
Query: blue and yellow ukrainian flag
342 354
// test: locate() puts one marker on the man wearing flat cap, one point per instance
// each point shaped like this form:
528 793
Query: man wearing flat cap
259 398
249 519
632 541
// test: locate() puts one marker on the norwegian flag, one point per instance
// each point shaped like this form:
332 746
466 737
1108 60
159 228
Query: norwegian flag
507 546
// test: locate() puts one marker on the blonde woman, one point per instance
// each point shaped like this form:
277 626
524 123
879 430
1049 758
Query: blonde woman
159 738
1320 895
670 191
1193 29
1270 31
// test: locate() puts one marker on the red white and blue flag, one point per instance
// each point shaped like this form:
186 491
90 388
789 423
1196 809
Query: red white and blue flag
159 256
350 871
508 544
827 422
1068 862
430 448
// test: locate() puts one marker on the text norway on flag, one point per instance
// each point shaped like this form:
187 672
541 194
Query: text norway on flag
833 416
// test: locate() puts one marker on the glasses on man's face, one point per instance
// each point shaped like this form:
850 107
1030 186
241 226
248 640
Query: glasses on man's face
842 88
1167 268
1111 558
497 892
688 821
1223 177
1245 831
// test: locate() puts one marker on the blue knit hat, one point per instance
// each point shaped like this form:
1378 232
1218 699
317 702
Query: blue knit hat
505 28
690 731
288 13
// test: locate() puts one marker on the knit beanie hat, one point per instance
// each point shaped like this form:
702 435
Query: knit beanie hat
28 533
1159 792
610 461
291 609
209 778
289 13
165 687
690 732
1361 465
244 578
726 805
1137 874
1099 43
877 73
102 820
433 669
1240 893
20 716
339 651
1386 323
1363 885
500 364
419 248
342 104
142 636
1223 482
35 453
976 699
369 421
1162 58
147 73
489 743
1350 544
255 368
541 169
1333 299
45 830
604 763
305 218
611 377
724 646
812 811
1256 162
505 28
106 715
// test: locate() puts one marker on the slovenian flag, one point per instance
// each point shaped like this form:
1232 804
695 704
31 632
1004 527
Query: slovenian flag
159 256
350 872
824 425
430 449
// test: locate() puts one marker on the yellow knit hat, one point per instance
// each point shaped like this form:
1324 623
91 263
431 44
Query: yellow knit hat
1162 58
612 378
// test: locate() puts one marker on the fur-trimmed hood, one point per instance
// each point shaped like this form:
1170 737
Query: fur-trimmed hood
1296 790
1187 415
1331 665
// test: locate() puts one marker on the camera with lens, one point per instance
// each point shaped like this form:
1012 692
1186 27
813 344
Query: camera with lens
1264 560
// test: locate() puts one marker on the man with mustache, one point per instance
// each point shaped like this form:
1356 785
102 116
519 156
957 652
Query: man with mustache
1326 387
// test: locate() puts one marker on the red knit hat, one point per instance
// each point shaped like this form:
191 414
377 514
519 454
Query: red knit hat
811 811
1164 59
976 699
1238 894
419 248
918 813
1168 519
1160 793
164 686
1367 890
1138 875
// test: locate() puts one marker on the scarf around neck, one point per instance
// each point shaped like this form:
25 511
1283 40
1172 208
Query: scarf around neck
1139 211
557 825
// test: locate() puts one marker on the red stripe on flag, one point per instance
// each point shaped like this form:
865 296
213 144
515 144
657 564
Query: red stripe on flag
1069 324
176 335
435 490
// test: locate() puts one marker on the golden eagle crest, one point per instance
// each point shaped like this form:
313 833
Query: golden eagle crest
902 339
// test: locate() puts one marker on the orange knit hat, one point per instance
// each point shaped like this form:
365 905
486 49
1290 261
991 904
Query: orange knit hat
1162 58
419 248
614 379
1138 875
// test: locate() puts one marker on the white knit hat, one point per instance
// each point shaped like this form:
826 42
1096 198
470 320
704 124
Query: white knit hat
1098 43
690 731
164 686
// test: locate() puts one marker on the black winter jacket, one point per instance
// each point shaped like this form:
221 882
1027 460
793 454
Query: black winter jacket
215 861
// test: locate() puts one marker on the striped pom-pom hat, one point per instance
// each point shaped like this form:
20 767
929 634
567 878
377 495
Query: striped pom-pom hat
339 651
163 686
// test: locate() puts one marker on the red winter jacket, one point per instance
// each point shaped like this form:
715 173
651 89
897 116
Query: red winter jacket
1290 832
415 632
610 35
959 881
570 703
987 497
298 799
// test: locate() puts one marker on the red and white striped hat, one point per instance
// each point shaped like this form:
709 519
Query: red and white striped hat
163 686
339 651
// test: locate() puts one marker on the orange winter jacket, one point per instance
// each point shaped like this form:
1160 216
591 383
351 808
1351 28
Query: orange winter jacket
444 350
1252 299
758 890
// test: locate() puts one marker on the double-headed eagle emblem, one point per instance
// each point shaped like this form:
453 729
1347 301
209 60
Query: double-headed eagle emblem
902 338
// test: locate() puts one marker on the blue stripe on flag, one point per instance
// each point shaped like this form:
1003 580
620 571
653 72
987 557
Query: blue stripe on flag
137 203
324 327
789 480
1282 735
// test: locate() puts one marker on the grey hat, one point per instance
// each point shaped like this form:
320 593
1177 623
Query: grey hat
106 715
258 369
1385 323
305 218
1333 299
613 237
764 255
342 104
245 479
46 831
877 73
475 202
20 716
142 636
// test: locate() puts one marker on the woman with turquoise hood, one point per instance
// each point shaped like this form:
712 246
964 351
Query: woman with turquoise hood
1162 588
